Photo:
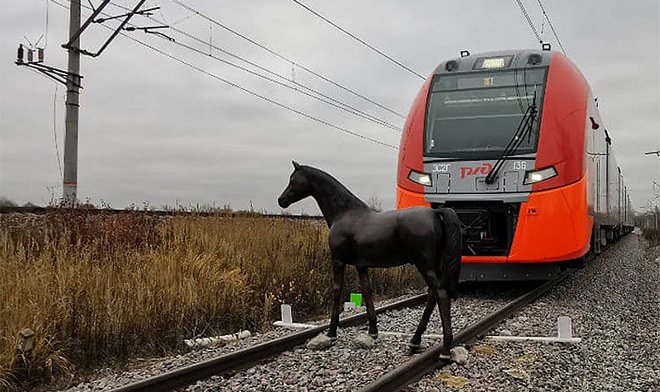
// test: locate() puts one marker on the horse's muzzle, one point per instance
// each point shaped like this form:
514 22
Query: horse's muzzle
283 202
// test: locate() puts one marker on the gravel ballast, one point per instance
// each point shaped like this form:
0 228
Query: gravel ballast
140 369
109 378
346 366
614 304
343 367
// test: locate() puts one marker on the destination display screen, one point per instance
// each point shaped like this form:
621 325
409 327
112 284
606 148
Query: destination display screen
475 115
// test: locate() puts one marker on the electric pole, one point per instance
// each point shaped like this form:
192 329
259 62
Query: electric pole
72 79
70 179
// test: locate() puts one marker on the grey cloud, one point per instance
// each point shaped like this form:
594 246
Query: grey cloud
152 129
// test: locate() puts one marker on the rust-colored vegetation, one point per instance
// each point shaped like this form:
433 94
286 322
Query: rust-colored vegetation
98 287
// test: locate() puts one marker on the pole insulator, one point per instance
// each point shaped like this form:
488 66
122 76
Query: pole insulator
19 55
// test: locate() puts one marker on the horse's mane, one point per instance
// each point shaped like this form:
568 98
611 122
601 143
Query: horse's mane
337 196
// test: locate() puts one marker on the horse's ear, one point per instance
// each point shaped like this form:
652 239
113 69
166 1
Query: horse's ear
296 166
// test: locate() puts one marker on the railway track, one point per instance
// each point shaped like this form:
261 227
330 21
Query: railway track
240 359
407 373
429 360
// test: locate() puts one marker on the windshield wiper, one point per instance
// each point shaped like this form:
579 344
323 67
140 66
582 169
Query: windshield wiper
524 129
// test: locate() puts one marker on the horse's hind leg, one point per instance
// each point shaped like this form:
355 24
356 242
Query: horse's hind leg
369 301
423 323
444 305
337 285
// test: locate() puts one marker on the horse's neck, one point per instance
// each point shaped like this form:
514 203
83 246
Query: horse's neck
335 200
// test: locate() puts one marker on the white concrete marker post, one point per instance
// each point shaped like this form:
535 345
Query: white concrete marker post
564 328
564 334
286 315
285 310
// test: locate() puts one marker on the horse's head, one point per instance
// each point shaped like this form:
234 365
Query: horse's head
299 187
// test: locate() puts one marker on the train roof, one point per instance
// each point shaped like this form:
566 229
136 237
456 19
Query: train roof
512 59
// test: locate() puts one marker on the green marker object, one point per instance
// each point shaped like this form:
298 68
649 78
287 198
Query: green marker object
356 298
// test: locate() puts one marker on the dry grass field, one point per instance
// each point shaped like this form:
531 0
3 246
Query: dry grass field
98 288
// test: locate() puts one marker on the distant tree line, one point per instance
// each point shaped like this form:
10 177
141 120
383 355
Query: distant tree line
7 202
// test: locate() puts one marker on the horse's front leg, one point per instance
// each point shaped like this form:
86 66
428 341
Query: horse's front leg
365 283
337 285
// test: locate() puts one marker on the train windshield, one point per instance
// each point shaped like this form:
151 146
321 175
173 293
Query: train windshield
475 115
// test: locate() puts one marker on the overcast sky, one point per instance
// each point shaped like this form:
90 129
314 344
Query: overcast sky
154 130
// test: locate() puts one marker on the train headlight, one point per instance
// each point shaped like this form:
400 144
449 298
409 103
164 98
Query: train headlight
535 176
420 178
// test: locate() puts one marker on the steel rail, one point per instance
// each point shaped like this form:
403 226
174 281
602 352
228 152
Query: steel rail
430 360
241 359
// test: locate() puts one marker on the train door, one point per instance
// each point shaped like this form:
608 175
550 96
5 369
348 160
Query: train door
599 237
597 206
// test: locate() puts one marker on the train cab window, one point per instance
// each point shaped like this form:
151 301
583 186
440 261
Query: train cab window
474 115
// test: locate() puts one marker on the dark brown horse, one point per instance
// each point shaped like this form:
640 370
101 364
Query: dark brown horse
428 238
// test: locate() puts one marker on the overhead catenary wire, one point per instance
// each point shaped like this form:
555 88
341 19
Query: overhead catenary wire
380 52
529 21
57 148
345 106
160 12
348 109
263 97
325 98
47 17
287 59
554 32
246 90
351 108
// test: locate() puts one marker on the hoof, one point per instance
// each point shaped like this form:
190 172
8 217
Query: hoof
445 356
374 335
417 347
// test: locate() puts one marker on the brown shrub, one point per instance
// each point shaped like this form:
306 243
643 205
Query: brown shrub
97 286
652 236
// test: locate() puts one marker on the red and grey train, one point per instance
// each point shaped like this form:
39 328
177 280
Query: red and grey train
513 141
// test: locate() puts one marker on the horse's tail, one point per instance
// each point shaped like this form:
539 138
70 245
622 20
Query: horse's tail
450 248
